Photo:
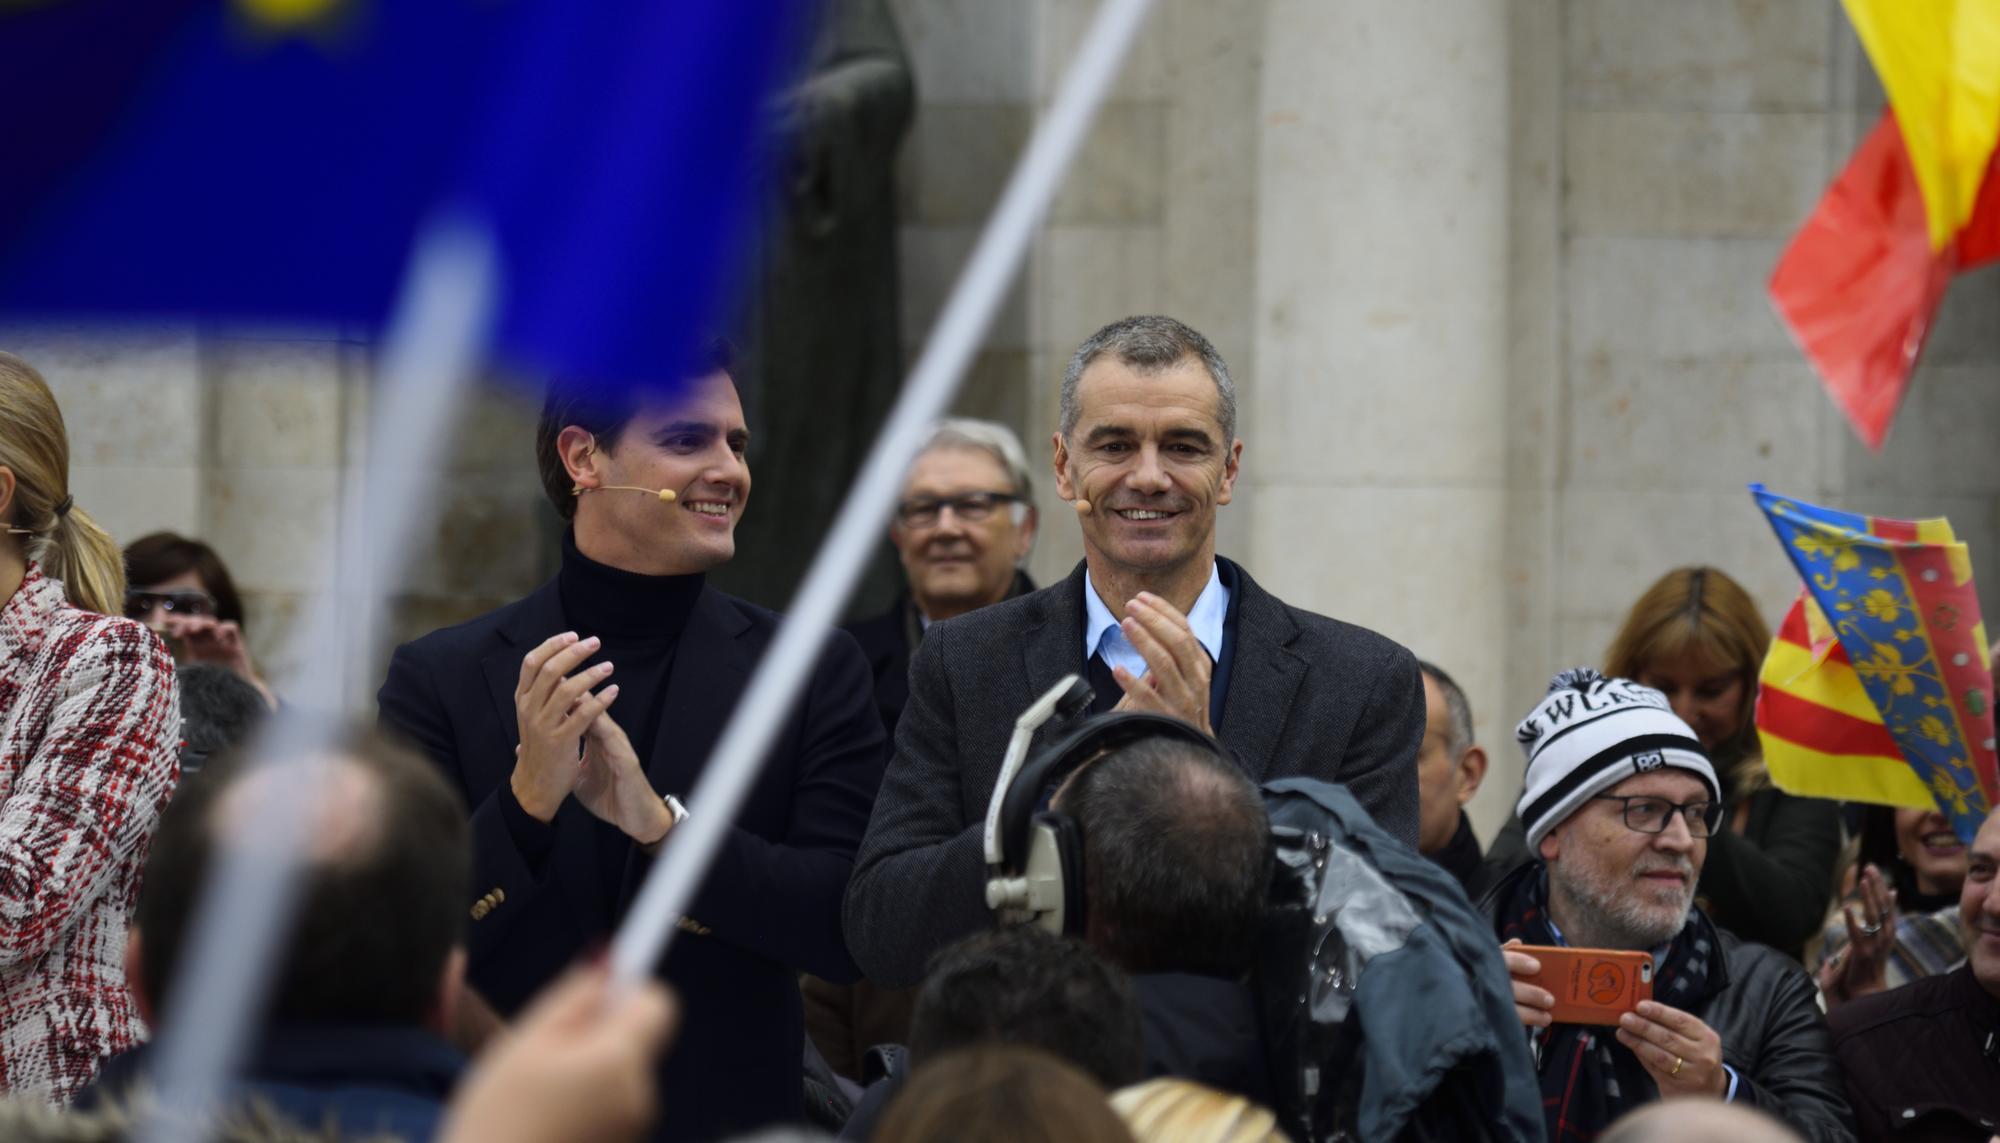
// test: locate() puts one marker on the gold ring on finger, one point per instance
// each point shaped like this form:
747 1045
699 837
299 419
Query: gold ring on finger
1678 1061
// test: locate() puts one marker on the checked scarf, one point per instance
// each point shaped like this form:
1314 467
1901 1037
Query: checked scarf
1588 1078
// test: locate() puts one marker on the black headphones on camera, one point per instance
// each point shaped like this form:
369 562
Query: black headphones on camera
1039 878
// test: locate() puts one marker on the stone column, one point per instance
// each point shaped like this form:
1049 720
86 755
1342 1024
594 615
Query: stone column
1375 457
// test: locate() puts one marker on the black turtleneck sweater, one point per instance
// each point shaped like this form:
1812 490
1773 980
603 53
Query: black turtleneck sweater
639 619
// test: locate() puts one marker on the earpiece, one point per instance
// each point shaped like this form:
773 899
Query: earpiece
666 495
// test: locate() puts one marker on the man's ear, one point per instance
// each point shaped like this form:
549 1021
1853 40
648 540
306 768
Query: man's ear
1230 467
135 978
578 449
1471 772
1060 461
1551 845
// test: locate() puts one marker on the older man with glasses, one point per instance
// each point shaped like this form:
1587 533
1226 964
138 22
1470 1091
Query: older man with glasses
965 524
1620 803
962 529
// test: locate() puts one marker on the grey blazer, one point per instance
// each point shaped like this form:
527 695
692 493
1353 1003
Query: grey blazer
1308 696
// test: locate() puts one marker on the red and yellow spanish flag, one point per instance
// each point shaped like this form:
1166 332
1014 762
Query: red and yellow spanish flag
1918 202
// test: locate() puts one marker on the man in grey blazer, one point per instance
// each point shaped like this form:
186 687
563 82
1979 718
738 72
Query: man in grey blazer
1147 451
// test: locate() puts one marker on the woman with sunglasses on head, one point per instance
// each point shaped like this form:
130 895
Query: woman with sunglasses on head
182 590
89 729
1697 637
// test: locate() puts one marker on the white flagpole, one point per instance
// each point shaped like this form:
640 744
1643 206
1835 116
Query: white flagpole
739 755
248 901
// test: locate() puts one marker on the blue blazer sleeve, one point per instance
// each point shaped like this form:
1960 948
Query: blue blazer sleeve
410 705
781 899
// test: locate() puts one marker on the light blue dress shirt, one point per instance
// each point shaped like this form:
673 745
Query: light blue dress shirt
1103 636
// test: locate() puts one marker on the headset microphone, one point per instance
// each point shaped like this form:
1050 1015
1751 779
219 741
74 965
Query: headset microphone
1082 506
666 495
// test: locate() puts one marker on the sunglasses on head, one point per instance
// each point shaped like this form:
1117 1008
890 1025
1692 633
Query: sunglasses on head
139 604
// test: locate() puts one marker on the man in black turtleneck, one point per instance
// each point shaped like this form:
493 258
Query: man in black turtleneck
570 717
1450 766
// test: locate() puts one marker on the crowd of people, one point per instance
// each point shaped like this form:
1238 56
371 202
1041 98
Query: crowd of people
1226 890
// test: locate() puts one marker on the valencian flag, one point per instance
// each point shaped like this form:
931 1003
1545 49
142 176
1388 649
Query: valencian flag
1918 202
1877 688
275 160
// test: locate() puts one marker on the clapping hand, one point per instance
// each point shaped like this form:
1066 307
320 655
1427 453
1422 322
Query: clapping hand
613 785
552 709
1177 665
1861 966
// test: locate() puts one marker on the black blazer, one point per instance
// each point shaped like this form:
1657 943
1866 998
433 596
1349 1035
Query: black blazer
771 905
887 640
1308 696
885 643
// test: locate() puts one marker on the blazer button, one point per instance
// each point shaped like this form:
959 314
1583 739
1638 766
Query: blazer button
479 910
499 896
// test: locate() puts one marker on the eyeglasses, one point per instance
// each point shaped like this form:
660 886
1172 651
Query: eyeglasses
1645 814
970 507
139 604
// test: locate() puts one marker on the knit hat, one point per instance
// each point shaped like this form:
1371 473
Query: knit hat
1592 733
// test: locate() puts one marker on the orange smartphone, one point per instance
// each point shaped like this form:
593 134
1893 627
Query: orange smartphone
1592 986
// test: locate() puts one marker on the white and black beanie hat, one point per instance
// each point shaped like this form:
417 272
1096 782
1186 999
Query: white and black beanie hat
1592 733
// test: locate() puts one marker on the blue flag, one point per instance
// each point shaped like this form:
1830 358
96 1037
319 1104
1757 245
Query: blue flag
261 159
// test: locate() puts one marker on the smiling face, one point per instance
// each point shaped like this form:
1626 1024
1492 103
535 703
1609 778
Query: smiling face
1926 842
955 565
1979 906
693 446
1149 455
1613 887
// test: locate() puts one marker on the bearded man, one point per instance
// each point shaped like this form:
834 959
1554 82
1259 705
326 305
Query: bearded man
1620 803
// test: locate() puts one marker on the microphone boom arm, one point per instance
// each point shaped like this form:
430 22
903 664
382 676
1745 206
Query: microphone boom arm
1067 697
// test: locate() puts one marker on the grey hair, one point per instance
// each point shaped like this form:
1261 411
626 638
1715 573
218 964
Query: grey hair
990 437
1150 343
1458 711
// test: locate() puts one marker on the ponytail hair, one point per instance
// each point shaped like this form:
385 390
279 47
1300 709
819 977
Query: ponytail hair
62 538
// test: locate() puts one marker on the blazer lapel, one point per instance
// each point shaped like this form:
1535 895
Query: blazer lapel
1052 646
711 668
1264 678
539 616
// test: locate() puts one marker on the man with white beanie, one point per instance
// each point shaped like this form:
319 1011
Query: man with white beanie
1619 805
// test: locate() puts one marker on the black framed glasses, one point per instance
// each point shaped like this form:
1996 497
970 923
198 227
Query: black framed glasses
139 604
971 507
1647 814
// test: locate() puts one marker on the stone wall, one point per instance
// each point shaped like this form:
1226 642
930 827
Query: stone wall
240 438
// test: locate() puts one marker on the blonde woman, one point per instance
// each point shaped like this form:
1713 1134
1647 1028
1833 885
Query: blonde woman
1696 636
89 726
1182 1111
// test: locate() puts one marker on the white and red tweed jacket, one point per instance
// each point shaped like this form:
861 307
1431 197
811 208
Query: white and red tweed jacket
89 753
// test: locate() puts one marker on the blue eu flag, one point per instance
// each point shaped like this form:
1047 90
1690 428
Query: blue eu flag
274 159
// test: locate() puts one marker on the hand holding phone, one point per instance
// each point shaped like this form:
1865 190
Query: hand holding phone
1577 986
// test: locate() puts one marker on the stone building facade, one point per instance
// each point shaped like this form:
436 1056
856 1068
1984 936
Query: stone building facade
1491 276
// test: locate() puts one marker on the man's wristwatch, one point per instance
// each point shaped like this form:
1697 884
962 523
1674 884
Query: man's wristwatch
675 807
